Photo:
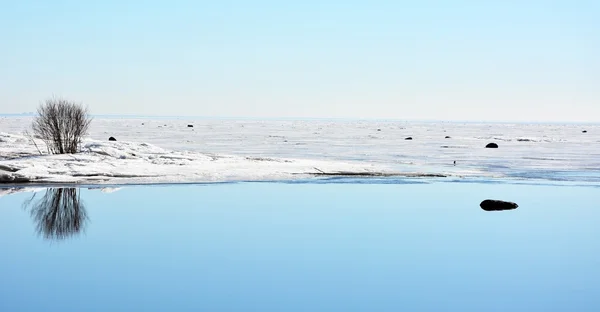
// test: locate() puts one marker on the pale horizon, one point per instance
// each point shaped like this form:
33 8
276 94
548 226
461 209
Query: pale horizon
390 60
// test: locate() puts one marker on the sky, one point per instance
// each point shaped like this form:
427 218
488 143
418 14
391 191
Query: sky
433 60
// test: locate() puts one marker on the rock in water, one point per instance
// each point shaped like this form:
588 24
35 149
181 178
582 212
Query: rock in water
409 138
492 145
497 205
112 139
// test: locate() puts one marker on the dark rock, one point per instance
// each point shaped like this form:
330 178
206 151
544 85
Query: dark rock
378 129
190 126
409 138
492 145
497 205
142 123
447 137
112 139
584 131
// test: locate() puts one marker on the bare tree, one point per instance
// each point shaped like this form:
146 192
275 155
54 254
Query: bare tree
59 214
61 124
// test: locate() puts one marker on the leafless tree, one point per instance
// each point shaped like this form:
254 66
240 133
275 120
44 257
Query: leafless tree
59 214
61 124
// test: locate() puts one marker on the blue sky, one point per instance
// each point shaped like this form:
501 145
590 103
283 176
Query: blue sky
449 60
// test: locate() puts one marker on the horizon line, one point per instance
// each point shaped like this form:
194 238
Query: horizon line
138 116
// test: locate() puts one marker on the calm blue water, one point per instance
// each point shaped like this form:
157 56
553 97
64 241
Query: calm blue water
301 247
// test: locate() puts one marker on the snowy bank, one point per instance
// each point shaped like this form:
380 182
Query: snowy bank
234 150
129 162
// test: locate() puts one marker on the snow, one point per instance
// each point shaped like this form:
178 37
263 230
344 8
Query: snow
14 190
154 150
129 162
19 189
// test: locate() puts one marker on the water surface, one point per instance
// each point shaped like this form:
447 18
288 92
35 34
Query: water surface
301 247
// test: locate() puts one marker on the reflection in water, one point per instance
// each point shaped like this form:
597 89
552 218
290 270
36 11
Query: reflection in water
59 214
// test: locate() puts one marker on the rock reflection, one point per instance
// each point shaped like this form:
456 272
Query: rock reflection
59 214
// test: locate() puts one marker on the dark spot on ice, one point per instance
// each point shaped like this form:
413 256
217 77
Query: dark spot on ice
447 137
409 138
190 126
584 131
112 139
492 145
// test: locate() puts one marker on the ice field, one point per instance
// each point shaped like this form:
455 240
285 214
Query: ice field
167 150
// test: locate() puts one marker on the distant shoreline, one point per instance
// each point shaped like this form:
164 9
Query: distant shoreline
332 119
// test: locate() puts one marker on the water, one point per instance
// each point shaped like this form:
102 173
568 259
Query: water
301 247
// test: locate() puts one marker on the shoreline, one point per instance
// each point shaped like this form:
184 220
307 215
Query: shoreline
341 179
169 151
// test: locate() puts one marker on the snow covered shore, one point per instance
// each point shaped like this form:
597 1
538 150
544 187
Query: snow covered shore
160 150
132 162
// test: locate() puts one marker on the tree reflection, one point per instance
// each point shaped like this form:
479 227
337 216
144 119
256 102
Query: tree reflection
59 214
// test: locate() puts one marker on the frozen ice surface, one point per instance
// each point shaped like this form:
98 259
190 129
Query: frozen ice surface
155 150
